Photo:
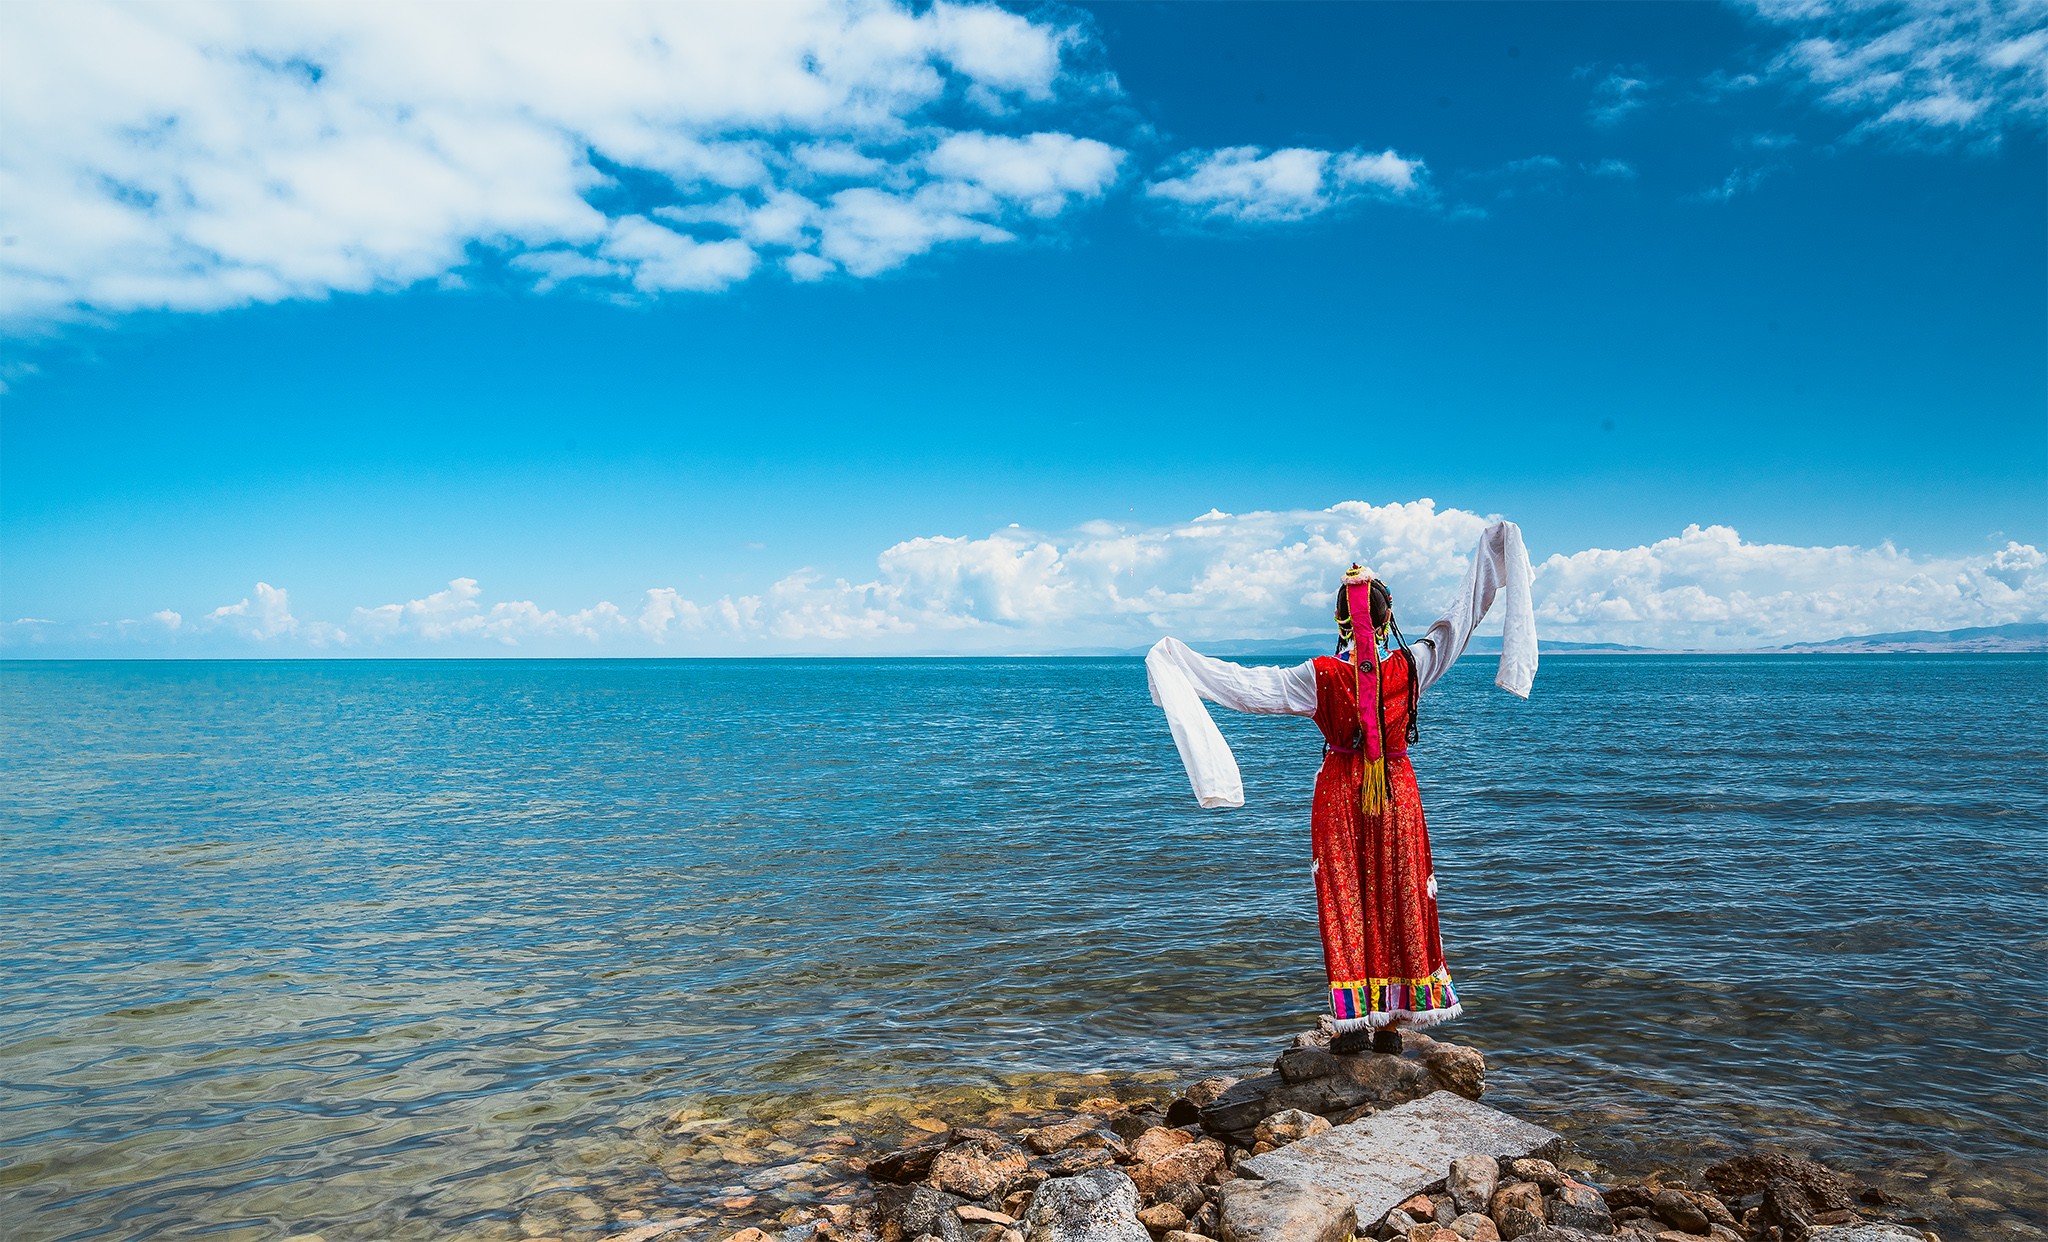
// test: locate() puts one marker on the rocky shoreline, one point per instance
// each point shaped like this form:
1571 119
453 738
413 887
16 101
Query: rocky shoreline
1323 1149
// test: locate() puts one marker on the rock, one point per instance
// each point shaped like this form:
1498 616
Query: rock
1397 1224
1163 1218
1517 1209
1560 1233
1284 1211
1157 1142
1431 1232
1181 1235
750 1235
1578 1206
1289 1126
1049 1139
1197 1161
1077 1160
920 1210
1825 1189
1457 1067
1542 1172
1421 1207
909 1164
1382 1159
982 1216
1183 1112
984 1167
1205 1092
1185 1194
1676 1208
1472 1181
1097 1206
1128 1126
1476 1227
1319 1082
1866 1231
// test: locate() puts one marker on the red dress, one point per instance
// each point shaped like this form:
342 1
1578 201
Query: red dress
1375 887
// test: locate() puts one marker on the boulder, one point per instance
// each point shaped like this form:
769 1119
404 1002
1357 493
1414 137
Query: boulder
1163 1218
1284 1211
984 1167
1197 1161
1517 1209
1076 1160
1288 1126
1457 1067
909 1164
1097 1206
1157 1142
1048 1139
1383 1159
1185 1194
1542 1172
921 1210
1315 1081
1578 1206
1472 1181
1475 1227
1206 1091
1865 1231
1676 1208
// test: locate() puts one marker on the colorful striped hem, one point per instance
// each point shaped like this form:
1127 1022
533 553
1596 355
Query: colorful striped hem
1364 997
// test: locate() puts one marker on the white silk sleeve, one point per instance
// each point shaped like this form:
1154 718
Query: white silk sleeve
1180 678
1499 572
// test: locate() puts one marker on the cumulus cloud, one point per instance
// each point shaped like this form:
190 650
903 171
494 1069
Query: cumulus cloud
1219 576
1293 183
1936 69
209 155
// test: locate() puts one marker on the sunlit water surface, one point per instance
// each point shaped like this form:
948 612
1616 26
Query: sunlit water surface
377 949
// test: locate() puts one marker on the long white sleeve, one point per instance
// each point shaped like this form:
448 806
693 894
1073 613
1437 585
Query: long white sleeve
1181 678
1500 569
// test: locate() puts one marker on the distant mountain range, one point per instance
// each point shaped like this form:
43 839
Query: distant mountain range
2023 636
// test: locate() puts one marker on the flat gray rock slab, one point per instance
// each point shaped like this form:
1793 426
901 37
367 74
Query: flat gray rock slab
1380 1160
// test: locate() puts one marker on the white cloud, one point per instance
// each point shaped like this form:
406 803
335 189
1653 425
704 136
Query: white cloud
1218 576
1707 587
211 155
1248 183
1040 171
1616 96
1737 182
1935 69
1618 170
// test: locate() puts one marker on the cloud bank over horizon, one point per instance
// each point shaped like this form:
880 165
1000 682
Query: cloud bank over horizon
1216 577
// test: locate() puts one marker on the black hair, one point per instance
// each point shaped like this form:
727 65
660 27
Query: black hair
1381 602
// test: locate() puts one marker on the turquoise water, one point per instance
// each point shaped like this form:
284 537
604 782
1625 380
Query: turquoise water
374 948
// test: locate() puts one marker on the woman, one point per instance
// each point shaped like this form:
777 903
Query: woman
1375 887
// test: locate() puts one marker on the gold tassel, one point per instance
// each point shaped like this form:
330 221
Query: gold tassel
1372 795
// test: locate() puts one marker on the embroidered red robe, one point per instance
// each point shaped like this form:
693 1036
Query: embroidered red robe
1375 887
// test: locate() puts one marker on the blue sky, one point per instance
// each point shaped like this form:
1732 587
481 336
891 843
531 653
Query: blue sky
859 328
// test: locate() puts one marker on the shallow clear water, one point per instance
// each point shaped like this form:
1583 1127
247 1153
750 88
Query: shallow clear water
375 948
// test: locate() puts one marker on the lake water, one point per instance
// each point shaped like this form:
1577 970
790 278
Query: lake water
373 949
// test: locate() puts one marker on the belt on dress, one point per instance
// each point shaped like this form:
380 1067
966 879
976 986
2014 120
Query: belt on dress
1329 750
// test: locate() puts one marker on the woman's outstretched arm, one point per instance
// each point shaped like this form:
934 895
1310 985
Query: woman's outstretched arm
1181 678
1500 569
